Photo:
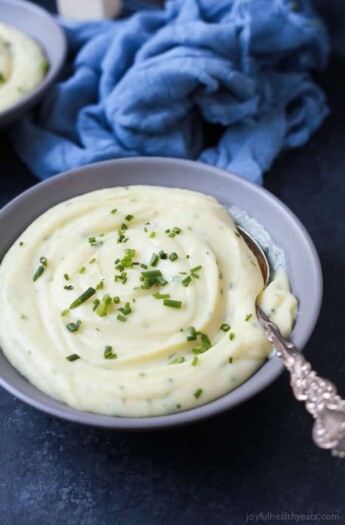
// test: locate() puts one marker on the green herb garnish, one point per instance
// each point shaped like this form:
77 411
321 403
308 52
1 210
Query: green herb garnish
177 361
82 269
129 218
173 256
225 327
161 295
108 353
70 287
172 304
186 281
195 361
154 259
113 211
198 393
122 318
102 310
73 327
194 270
126 310
100 285
73 357
95 303
248 317
82 298
231 336
44 66
43 265
151 277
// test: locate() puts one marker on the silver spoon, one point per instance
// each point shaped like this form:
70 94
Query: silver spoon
320 395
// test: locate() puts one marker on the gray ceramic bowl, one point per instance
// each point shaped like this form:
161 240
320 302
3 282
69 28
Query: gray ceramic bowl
286 230
39 25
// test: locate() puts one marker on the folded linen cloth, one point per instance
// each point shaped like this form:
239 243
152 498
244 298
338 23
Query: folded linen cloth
146 84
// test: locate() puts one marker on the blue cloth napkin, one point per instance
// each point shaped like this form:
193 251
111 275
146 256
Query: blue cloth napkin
147 84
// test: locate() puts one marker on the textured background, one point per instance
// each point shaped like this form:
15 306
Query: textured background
257 458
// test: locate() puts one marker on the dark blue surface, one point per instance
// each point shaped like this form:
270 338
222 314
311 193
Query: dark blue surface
257 458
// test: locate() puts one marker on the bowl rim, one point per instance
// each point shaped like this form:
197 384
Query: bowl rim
33 96
217 406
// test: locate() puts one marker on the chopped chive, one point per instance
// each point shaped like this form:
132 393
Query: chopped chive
122 318
152 235
102 310
161 295
116 300
195 361
198 393
64 312
205 341
108 353
230 360
82 298
66 276
237 234
21 243
70 287
73 327
198 350
95 303
43 265
231 336
154 259
82 269
122 277
248 317
176 230
160 280
129 218
124 226
163 255
225 327
92 260
186 281
126 310
113 211
73 357
100 285
173 256
172 304
151 273
177 361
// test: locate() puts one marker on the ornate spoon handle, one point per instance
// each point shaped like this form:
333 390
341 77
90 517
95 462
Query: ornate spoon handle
320 395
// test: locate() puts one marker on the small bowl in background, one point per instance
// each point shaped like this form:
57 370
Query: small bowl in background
41 27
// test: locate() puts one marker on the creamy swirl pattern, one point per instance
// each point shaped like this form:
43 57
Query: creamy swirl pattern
145 356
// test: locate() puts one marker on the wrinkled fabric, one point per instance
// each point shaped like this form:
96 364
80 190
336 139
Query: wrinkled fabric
146 85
